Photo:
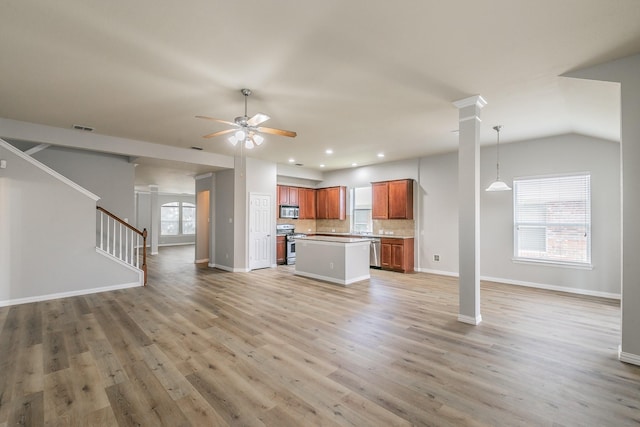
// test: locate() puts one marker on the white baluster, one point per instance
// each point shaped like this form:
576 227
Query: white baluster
101 230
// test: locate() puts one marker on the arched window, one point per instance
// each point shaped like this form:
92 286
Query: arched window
177 218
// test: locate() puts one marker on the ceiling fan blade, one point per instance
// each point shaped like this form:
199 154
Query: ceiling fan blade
216 120
257 119
280 132
222 132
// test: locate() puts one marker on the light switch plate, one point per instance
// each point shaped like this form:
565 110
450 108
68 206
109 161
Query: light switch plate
3 164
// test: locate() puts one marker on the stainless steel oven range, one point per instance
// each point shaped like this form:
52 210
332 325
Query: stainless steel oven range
288 230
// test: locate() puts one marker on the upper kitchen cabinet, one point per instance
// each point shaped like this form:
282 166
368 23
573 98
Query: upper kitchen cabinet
331 203
392 199
307 199
380 200
287 195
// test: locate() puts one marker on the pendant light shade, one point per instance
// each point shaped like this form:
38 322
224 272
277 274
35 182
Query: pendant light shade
498 185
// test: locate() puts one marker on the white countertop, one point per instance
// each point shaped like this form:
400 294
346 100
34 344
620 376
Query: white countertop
335 239
362 236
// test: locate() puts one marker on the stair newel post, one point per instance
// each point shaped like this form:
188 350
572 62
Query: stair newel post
144 254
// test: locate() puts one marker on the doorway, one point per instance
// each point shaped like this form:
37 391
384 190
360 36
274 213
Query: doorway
202 226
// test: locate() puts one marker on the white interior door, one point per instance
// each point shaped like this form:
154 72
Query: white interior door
260 225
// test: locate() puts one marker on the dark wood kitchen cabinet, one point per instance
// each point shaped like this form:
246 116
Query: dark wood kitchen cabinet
392 199
281 250
307 199
396 255
287 195
331 203
380 200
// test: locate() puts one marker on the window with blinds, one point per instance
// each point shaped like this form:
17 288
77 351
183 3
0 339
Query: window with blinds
552 219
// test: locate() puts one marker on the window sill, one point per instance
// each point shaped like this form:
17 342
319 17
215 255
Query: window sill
553 263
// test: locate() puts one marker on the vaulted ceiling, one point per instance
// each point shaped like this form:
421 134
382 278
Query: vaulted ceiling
359 77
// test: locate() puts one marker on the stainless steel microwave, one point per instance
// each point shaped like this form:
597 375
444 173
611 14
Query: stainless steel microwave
287 211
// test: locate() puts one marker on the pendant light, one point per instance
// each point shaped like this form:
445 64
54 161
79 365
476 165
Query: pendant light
498 185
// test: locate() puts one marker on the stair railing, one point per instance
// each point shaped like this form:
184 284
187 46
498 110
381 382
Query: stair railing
122 240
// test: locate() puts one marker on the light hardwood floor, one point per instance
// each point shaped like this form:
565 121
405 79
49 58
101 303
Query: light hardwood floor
203 347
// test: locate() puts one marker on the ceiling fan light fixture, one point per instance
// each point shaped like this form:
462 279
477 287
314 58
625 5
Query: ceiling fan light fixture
498 185
258 139
233 140
241 135
248 144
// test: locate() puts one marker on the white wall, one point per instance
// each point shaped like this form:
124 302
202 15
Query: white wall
262 179
48 237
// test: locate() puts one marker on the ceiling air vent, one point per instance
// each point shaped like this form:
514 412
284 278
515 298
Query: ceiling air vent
83 128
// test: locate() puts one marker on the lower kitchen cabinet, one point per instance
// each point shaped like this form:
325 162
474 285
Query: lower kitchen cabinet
396 254
281 250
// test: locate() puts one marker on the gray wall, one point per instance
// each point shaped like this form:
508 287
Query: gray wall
109 176
143 216
437 209
556 155
625 71
47 244
205 244
224 220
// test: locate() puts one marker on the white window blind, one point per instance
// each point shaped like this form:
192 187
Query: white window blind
552 219
177 218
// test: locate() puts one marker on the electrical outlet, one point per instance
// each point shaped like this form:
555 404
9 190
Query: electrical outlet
436 257
331 265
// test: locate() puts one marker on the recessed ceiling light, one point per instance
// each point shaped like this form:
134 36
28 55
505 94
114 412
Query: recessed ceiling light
321 166
329 151
380 155
354 164
292 160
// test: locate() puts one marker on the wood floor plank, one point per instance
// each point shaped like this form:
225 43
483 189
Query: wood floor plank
54 352
201 346
156 399
28 410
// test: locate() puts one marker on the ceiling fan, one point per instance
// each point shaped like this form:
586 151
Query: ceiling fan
246 129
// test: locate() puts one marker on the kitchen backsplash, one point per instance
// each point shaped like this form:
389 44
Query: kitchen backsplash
307 226
396 227
333 225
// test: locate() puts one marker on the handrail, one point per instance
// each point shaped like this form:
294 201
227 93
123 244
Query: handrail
142 233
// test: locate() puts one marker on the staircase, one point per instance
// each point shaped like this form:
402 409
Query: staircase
121 240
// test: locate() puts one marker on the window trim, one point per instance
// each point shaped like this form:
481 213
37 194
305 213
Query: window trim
180 221
551 262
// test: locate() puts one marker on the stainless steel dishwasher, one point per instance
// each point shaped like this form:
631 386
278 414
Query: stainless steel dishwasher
374 253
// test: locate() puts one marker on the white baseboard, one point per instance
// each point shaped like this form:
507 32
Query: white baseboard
48 297
548 287
201 260
553 287
628 357
438 272
470 320
229 269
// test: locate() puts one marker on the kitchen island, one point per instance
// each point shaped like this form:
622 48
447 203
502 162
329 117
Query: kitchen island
342 260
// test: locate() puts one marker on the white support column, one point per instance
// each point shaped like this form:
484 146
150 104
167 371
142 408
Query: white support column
155 218
469 208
